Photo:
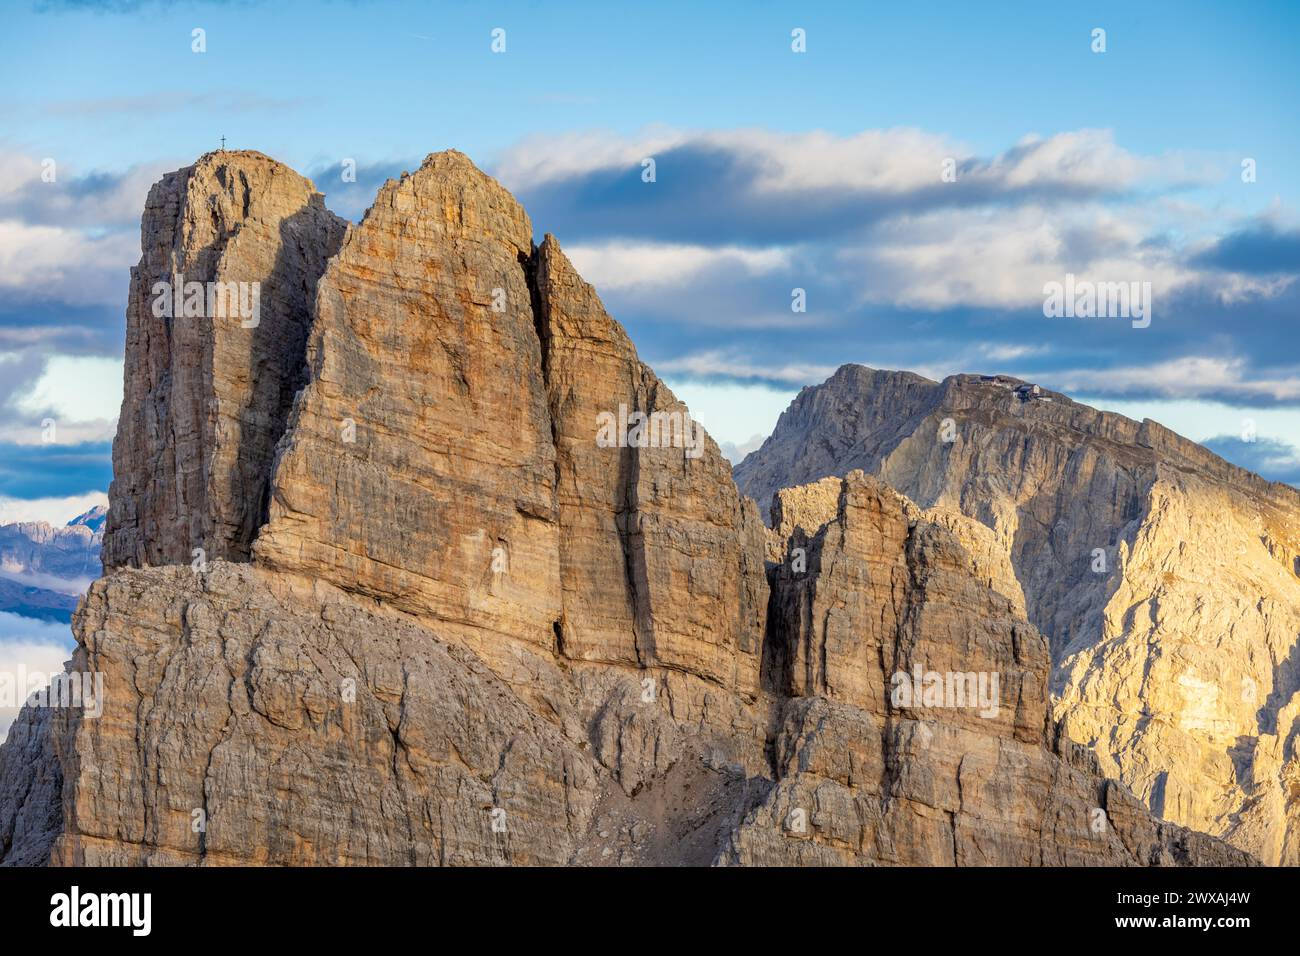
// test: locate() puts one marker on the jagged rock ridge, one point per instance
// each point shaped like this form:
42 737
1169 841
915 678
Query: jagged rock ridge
441 624
1164 578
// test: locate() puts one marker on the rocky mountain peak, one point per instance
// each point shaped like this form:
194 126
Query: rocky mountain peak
216 327
424 565
93 519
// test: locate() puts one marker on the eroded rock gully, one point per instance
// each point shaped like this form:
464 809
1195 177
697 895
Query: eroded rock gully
438 624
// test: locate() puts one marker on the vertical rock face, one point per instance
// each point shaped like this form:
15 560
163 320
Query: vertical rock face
804 508
481 623
443 456
660 558
419 467
886 590
1191 693
968 772
1163 577
207 395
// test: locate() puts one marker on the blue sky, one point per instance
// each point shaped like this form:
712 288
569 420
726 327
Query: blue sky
775 170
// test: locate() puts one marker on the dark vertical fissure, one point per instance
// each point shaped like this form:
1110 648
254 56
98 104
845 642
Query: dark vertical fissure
530 266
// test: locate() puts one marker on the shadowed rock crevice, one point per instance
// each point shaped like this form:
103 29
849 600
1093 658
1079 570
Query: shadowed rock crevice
276 382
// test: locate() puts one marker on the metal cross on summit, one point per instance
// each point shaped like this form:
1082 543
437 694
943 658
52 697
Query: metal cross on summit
223 144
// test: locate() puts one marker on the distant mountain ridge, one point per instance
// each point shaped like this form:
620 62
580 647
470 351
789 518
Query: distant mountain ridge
44 569
860 414
1166 579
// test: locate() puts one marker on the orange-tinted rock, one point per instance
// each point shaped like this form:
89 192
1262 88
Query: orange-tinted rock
418 467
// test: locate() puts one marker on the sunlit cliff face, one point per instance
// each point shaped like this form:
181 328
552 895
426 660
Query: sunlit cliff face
1163 577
